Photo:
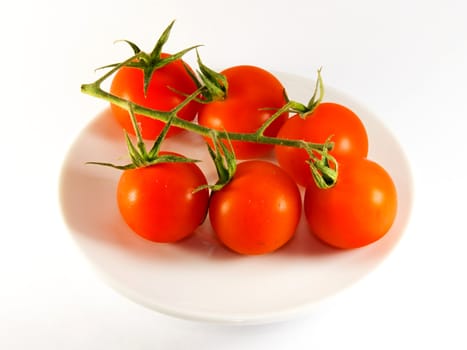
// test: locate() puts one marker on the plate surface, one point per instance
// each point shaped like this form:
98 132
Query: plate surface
198 278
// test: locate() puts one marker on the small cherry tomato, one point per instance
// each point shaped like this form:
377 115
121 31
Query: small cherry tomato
327 120
358 210
253 96
165 91
159 202
258 211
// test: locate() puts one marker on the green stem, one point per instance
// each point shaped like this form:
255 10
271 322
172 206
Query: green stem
94 89
270 120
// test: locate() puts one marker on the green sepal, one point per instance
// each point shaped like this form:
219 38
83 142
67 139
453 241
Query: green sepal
224 159
301 109
323 175
156 52
150 62
138 55
318 93
317 97
136 156
111 165
156 62
324 169
135 47
215 84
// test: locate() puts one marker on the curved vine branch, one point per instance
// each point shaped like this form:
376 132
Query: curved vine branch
94 89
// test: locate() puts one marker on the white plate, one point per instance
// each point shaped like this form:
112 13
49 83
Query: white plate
198 278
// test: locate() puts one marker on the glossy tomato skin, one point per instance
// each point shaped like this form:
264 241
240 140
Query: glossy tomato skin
358 210
329 119
157 202
128 84
258 211
252 97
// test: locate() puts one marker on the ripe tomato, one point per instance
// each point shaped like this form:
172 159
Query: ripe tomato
251 91
328 119
258 211
358 210
158 202
128 84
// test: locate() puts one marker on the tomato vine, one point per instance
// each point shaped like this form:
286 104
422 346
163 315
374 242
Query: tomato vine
323 168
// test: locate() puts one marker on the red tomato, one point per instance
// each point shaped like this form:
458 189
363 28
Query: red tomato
158 202
250 91
358 210
128 84
328 119
258 211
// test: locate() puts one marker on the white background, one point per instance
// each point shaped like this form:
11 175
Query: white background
406 60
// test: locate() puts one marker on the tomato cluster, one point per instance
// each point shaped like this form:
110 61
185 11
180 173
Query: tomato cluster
257 209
